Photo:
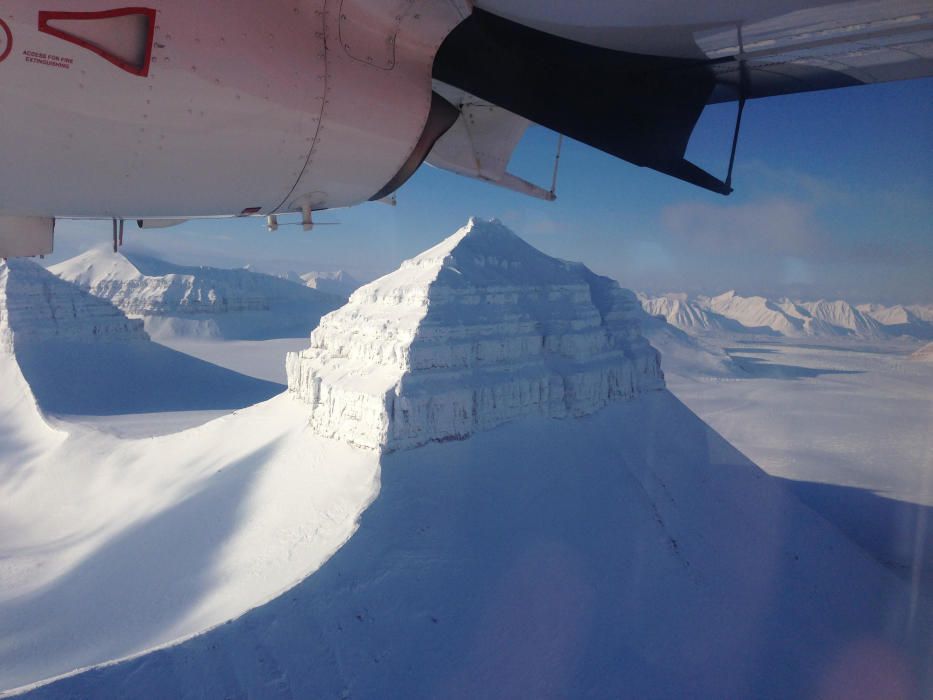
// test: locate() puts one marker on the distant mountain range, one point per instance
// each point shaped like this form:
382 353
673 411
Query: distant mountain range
338 283
733 313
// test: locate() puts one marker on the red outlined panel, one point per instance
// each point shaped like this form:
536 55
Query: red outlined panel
6 40
142 69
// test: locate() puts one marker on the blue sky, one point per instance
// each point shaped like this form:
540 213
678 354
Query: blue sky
834 198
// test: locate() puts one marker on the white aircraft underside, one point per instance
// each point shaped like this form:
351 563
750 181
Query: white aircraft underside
180 109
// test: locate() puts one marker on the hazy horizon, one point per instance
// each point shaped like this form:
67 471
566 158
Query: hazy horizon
833 199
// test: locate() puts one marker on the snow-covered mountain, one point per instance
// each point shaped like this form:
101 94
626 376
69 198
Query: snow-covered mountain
825 317
732 313
922 311
688 315
477 331
198 301
756 314
339 283
915 321
623 550
82 355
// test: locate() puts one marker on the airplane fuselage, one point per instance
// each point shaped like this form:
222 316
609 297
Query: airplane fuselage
269 108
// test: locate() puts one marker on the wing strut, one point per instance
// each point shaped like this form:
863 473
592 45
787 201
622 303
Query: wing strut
560 140
735 141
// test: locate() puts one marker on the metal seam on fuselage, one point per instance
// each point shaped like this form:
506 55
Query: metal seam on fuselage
320 121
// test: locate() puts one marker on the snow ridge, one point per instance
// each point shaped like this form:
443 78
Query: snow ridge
474 332
201 301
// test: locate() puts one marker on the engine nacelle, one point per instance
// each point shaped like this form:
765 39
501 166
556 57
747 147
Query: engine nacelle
211 108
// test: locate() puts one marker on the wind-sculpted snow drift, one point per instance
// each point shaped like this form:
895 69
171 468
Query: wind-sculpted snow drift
477 331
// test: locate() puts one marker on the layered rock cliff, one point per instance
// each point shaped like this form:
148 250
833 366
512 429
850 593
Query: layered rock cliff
479 330
35 305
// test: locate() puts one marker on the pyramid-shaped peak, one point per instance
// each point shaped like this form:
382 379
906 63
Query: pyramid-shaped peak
490 230
95 266
487 252
476 331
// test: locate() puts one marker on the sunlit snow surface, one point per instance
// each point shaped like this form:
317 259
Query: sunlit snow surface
111 546
628 553
849 423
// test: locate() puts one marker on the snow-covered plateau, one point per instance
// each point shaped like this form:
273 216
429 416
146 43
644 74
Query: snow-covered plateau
201 302
477 331
586 535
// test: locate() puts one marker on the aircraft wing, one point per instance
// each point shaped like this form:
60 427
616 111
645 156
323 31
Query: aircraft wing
480 143
632 79
177 109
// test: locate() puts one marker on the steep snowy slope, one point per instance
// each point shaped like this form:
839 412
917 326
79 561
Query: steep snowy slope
198 301
110 547
82 355
479 330
627 554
